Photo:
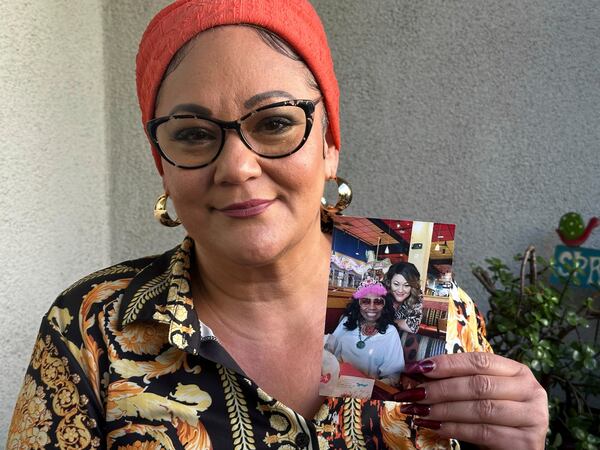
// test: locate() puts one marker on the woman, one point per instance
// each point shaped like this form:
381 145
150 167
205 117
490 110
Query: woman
402 280
366 336
217 343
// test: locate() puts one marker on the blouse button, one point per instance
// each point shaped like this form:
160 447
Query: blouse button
302 440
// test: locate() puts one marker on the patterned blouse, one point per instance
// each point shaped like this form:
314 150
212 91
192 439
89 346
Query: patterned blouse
122 361
412 315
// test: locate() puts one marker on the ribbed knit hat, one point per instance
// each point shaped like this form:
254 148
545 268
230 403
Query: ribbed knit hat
295 21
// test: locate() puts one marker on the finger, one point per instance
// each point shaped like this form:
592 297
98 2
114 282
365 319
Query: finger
496 412
494 436
480 387
460 364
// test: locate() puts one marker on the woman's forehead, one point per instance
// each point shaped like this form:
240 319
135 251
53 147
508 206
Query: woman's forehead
398 278
371 296
227 66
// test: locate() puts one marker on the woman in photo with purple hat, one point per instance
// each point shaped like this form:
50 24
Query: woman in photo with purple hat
366 336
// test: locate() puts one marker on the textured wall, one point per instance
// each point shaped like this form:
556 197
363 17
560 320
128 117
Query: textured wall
134 181
53 168
480 113
484 114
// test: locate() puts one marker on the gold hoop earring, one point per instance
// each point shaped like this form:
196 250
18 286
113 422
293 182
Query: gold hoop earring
162 215
344 197
328 211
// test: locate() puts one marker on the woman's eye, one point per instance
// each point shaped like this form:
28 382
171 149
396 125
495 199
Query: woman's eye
274 125
194 136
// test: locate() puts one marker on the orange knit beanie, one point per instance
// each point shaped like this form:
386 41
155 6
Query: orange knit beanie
295 21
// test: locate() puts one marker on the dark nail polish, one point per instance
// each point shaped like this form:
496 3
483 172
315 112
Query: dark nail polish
416 409
431 424
424 366
411 395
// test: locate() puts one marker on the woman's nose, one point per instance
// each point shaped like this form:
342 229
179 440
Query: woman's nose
236 163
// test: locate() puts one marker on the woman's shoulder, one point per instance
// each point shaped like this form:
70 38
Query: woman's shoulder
77 341
464 305
390 331
99 294
98 284
122 270
466 325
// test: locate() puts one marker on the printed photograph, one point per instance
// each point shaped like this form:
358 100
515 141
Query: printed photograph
389 288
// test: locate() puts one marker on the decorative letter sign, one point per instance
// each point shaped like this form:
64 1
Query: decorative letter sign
588 260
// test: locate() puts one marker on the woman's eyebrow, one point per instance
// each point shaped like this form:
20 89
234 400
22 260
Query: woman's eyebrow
256 99
191 108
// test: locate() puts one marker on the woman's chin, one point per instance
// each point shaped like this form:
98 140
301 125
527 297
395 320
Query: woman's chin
250 243
252 251
256 256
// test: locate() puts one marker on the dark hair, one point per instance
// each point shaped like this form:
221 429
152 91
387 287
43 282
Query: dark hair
269 38
354 317
412 277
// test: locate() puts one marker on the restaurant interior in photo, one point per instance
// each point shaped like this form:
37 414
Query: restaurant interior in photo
367 247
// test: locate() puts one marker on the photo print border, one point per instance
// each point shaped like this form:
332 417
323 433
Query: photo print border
402 316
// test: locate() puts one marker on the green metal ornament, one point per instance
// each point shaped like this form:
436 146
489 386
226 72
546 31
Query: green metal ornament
573 231
571 225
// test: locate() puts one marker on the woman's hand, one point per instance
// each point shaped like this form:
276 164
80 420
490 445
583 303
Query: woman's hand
480 398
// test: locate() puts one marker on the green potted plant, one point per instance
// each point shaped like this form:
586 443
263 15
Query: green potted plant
553 329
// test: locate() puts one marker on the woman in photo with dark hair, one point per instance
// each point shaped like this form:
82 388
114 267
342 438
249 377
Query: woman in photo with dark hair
366 336
404 285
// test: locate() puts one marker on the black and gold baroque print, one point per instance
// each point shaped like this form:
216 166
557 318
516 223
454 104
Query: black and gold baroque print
122 361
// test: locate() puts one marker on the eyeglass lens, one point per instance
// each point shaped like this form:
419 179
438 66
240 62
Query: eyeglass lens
270 132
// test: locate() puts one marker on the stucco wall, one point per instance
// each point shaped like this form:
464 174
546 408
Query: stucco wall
484 114
53 168
480 113
134 181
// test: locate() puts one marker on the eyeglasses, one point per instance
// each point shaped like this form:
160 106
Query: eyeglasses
193 141
378 302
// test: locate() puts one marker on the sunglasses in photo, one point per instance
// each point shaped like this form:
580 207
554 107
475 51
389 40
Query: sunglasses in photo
379 301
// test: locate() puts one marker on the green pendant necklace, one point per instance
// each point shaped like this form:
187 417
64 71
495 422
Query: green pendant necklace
361 342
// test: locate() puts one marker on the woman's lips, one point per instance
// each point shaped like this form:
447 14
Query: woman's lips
401 296
248 208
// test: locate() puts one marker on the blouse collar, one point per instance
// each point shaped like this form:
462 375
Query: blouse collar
161 293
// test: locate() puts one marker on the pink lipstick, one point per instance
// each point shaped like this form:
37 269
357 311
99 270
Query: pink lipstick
248 208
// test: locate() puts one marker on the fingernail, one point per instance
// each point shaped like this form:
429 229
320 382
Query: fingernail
411 395
424 366
415 409
431 424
